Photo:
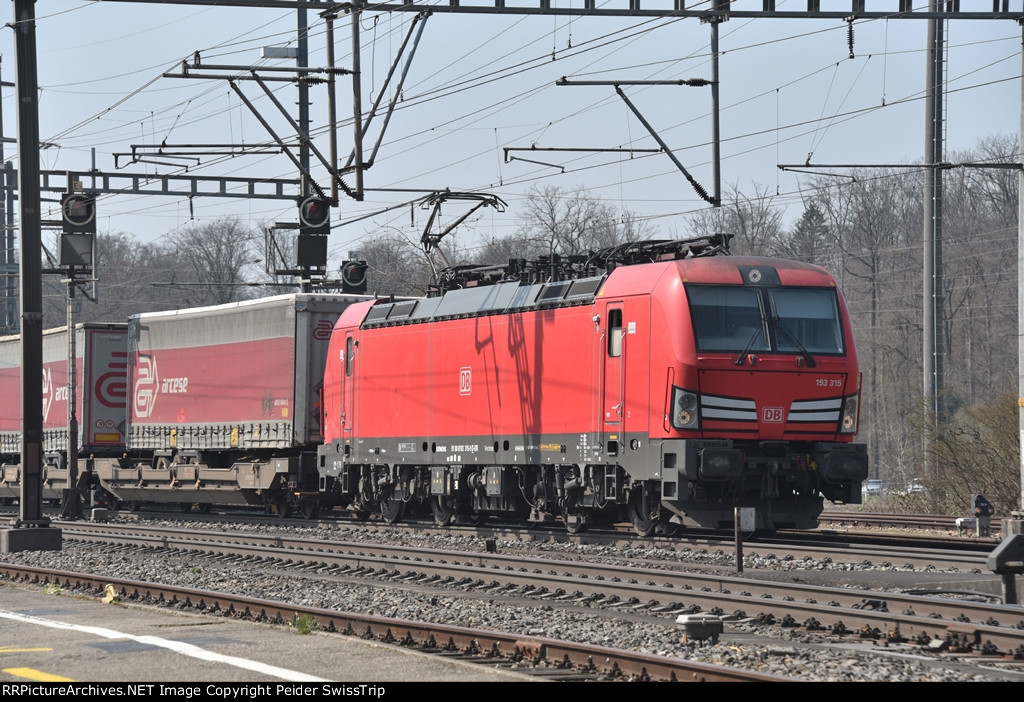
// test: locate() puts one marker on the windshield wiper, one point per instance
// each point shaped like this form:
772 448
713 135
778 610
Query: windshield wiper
750 344
793 340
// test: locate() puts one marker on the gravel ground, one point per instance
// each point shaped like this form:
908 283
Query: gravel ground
766 649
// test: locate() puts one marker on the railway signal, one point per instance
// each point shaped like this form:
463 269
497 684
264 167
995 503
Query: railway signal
315 216
353 277
78 213
314 226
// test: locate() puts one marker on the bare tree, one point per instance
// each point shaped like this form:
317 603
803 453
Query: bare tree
396 265
754 220
555 221
875 222
213 261
976 453
124 281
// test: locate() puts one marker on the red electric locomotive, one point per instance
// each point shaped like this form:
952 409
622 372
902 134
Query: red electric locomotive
655 380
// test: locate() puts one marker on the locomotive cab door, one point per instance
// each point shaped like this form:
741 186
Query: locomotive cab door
348 384
613 378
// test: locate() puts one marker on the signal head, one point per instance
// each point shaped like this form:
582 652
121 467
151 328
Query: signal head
78 213
315 216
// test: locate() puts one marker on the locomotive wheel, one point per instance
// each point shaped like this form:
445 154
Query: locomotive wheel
644 520
310 509
667 528
444 513
472 519
392 511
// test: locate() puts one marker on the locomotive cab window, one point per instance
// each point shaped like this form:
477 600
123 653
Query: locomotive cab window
727 318
811 317
745 319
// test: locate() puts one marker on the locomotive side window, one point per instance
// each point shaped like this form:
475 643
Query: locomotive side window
614 333
727 318
349 353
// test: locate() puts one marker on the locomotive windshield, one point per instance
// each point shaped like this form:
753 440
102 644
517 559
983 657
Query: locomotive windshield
765 319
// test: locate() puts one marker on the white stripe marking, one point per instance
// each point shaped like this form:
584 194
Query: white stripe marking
176 646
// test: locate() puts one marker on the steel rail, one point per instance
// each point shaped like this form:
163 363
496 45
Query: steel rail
840 610
482 645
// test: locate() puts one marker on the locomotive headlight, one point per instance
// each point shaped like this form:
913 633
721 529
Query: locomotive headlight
849 417
684 409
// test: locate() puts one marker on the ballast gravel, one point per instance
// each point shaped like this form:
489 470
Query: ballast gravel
766 649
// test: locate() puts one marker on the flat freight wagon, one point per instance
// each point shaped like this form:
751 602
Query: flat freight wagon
225 402
101 369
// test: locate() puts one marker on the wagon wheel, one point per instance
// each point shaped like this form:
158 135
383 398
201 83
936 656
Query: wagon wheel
186 507
444 511
644 518
135 505
310 508
279 505
205 507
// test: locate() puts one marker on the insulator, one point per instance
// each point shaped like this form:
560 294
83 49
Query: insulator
849 35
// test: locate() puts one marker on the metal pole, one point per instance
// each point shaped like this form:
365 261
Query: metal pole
31 509
716 135
357 100
738 538
302 61
72 507
1020 280
10 283
8 314
31 531
932 322
332 117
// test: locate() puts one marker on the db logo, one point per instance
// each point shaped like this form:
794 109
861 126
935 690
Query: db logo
772 415
465 381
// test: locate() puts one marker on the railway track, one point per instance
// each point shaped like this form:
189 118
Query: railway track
661 591
647 582
885 520
546 658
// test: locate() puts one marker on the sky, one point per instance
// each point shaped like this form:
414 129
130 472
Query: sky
790 93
